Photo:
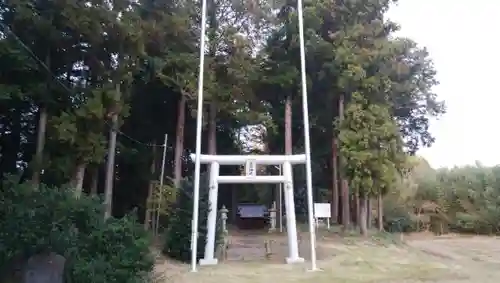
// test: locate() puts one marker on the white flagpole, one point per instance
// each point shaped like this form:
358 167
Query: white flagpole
307 143
199 115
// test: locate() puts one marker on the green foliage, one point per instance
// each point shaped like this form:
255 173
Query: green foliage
398 215
462 199
162 200
80 130
149 50
178 235
371 147
53 220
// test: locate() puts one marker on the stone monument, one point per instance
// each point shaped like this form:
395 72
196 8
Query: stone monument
44 268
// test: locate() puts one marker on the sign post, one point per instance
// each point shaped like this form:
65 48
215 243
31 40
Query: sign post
322 210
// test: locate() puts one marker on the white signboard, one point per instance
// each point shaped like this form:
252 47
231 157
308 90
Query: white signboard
251 168
322 210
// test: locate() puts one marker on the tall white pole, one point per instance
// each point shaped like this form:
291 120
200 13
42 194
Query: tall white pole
280 193
199 115
162 176
307 143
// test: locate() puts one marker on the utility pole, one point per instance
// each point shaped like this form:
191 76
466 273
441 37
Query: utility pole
162 175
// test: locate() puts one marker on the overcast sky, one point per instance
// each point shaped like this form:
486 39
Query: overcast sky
463 42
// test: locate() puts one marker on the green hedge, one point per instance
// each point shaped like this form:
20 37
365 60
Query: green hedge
53 220
178 236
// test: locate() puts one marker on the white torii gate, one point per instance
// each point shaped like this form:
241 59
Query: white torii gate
251 161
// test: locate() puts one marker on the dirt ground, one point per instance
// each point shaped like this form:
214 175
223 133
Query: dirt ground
349 259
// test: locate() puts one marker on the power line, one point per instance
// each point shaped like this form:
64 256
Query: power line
70 91
39 61
65 87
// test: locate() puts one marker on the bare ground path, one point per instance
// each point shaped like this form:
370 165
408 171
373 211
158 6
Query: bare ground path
350 260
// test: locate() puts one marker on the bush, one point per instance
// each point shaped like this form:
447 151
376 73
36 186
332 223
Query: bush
398 215
178 235
53 220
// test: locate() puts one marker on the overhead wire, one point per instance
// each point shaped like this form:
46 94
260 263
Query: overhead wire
65 87
40 62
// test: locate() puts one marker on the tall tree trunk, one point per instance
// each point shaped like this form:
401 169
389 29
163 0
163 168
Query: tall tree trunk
42 128
335 181
95 180
288 149
288 125
110 163
149 200
78 178
212 129
369 213
346 209
362 219
212 114
40 144
380 212
179 140
357 201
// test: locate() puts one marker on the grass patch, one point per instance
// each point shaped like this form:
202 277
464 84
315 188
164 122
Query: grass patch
357 262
